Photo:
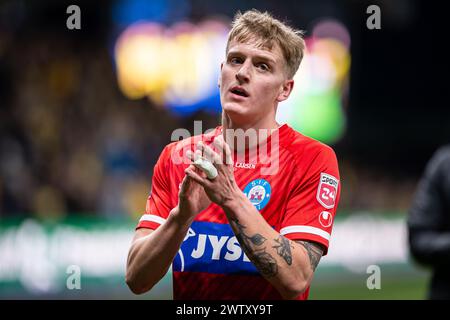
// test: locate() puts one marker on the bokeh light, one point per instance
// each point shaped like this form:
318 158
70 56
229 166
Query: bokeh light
315 107
177 67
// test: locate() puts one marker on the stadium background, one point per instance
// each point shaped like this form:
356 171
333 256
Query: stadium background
85 113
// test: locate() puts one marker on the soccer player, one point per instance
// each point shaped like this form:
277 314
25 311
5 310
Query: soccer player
258 229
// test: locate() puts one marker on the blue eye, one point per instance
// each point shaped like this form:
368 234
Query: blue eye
235 60
263 66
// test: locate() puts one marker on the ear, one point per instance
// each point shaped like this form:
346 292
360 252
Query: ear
285 90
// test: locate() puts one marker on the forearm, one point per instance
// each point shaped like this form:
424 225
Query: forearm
284 263
151 256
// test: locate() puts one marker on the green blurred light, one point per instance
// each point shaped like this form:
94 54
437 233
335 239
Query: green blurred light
319 116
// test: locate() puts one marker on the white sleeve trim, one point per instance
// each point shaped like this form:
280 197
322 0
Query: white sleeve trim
152 218
306 229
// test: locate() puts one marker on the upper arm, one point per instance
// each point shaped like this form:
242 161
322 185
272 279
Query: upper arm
313 200
160 200
141 233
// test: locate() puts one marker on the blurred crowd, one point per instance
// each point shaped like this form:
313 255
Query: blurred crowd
71 143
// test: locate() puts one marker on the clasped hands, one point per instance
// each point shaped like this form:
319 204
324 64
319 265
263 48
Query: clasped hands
223 188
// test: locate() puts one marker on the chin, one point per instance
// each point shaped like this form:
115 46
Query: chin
236 116
234 107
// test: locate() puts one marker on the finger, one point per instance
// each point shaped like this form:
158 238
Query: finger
225 148
187 181
194 176
229 157
198 154
220 151
190 155
209 153
194 168
193 157
207 167
185 185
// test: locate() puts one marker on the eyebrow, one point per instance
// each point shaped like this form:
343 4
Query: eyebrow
258 56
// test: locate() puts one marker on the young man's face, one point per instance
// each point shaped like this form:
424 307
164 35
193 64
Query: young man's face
253 80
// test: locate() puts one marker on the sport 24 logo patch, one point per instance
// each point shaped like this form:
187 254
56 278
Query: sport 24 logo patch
327 190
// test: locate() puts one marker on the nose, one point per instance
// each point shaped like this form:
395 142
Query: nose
243 74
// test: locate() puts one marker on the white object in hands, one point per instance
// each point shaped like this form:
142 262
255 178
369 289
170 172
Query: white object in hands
207 167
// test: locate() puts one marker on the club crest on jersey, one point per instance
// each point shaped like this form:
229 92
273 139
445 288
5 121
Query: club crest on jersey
325 219
258 192
327 190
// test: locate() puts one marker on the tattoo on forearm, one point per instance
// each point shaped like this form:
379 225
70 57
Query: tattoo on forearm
314 251
265 263
262 260
256 239
283 248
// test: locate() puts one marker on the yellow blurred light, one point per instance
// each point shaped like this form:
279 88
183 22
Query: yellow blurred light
178 66
140 68
188 70
194 70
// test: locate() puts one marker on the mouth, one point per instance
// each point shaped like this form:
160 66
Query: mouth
239 91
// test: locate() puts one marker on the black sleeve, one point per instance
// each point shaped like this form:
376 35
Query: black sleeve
429 216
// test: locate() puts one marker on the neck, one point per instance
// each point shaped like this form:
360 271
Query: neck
260 130
267 123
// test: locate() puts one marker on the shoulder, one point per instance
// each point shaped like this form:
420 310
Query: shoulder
440 162
442 155
305 150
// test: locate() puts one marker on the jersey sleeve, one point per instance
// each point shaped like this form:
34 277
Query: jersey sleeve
158 207
312 203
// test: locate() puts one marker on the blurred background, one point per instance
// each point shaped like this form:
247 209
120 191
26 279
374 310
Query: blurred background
84 115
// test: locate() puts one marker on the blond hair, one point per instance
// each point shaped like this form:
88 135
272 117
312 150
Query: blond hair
263 28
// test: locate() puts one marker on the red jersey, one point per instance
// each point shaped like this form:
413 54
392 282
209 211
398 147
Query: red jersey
298 199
